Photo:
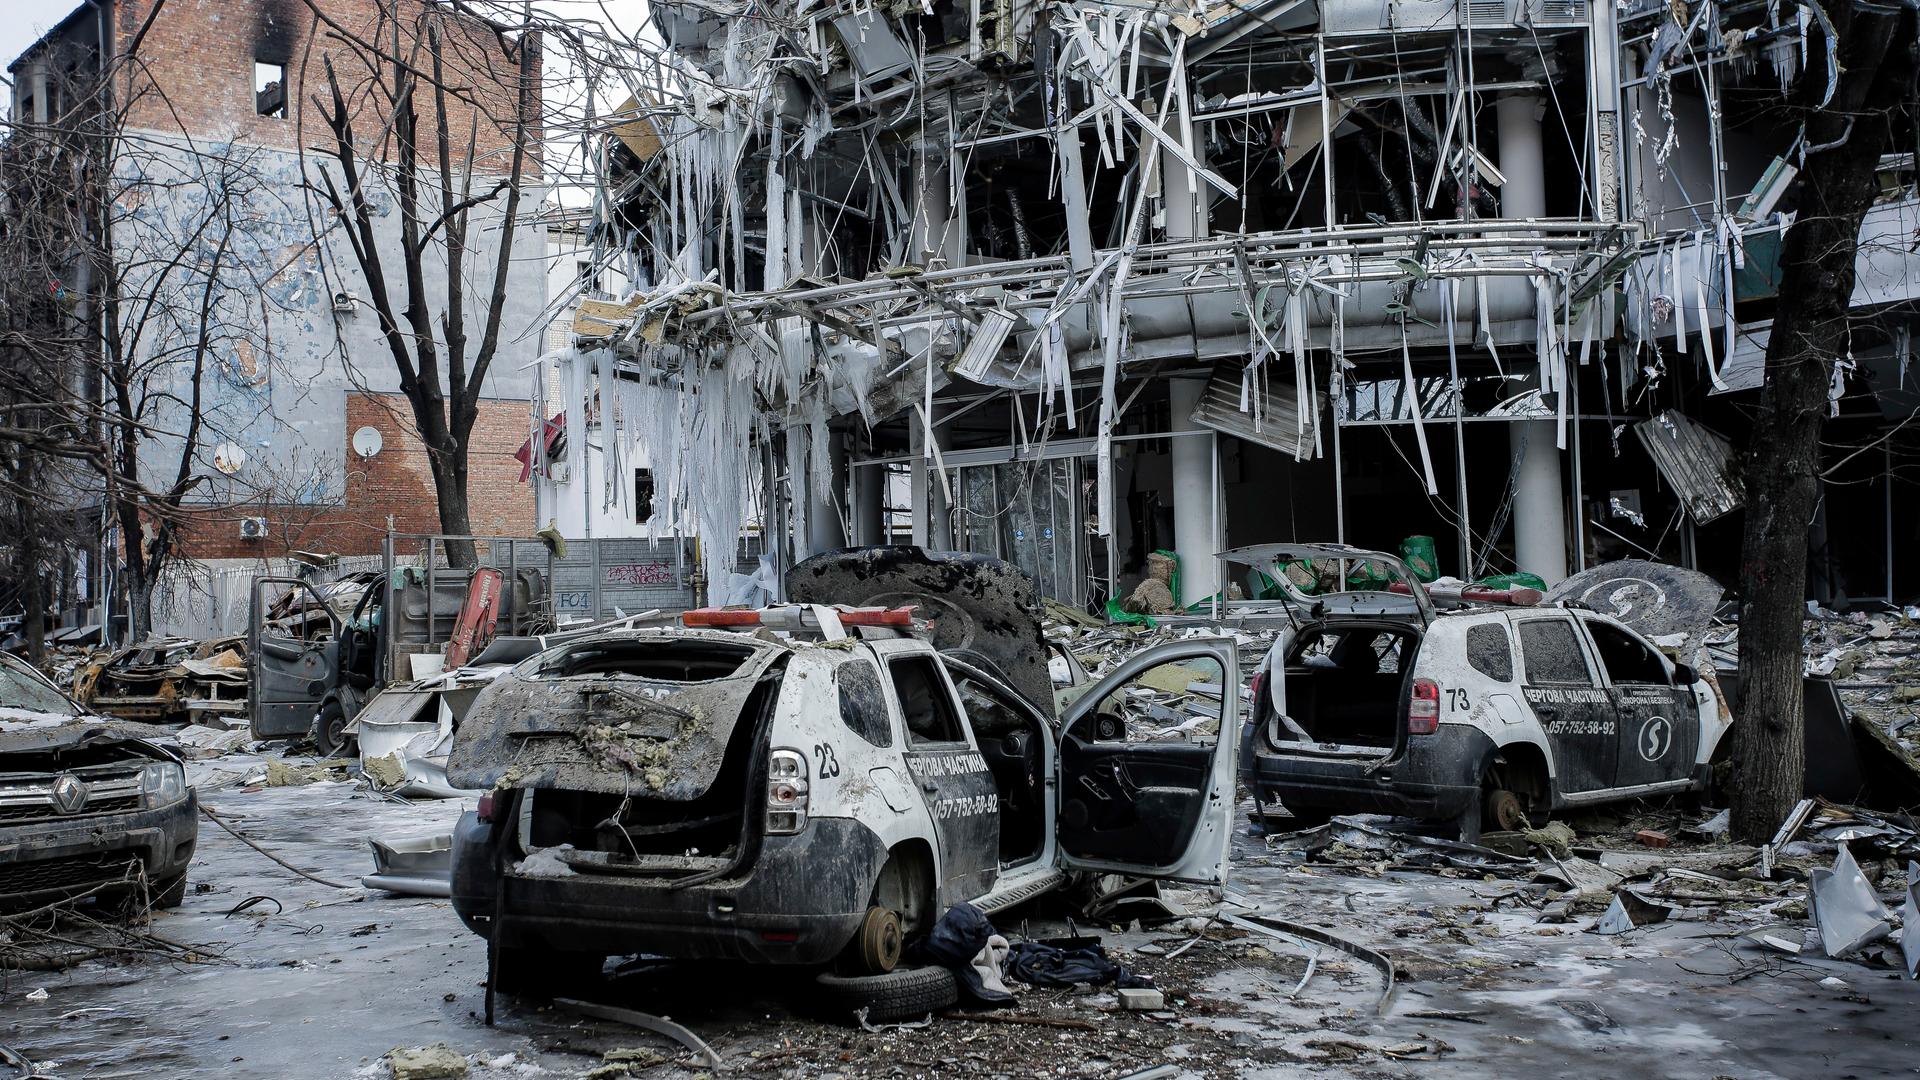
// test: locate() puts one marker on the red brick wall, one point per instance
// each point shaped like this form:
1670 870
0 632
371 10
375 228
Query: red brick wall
395 482
195 72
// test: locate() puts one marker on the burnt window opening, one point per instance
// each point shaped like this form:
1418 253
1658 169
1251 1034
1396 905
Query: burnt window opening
642 496
270 89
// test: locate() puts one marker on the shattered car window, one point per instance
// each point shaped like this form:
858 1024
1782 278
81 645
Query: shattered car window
990 716
1553 653
1353 651
1624 657
924 702
1166 703
21 689
1489 651
646 658
863 706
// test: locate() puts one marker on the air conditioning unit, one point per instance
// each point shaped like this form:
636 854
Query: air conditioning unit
1484 13
1560 12
253 528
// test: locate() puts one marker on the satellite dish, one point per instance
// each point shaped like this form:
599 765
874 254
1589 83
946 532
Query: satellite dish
228 457
367 442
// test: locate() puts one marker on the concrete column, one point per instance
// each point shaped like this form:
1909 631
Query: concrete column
1524 195
825 529
1539 505
919 472
1194 511
869 505
1184 192
1539 515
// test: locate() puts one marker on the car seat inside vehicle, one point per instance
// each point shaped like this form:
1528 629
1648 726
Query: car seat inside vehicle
1346 684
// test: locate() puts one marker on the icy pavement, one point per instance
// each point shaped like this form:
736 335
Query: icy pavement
332 980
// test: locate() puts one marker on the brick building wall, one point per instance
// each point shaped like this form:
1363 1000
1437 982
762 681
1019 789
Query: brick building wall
196 72
396 481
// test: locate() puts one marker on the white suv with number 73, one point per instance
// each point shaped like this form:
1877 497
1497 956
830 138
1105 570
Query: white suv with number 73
1373 701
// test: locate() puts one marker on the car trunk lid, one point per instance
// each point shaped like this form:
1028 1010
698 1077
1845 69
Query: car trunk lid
647 713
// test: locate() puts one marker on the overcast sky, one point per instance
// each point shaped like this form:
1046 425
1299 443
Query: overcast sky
23 21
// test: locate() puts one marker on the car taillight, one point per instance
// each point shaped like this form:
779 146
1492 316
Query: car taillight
786 792
485 810
1423 709
1259 693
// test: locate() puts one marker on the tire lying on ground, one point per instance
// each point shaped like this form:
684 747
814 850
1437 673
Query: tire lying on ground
903 994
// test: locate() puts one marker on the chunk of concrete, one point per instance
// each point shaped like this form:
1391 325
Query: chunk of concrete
436 1062
1142 999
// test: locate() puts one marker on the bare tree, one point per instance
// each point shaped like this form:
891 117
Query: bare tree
392 105
1844 138
136 237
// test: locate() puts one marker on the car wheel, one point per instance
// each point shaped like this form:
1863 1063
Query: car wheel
876 948
905 994
329 733
1504 811
169 892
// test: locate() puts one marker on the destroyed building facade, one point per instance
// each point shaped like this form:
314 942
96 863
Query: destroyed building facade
304 439
1070 283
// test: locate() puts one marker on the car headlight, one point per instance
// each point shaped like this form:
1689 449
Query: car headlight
162 783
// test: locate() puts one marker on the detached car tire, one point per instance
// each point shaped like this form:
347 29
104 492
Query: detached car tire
906 994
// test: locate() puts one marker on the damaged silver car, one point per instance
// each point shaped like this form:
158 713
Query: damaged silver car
89 806
819 783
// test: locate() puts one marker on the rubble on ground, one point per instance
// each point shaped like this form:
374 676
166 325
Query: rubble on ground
168 681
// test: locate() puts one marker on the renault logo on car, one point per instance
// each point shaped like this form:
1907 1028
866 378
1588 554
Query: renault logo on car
69 793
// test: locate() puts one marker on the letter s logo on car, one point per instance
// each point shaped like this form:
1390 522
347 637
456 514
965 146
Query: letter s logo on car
1656 735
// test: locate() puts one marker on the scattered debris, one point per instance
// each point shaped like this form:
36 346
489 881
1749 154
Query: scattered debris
1845 908
648 1022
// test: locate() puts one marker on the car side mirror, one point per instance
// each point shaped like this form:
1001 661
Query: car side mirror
1684 675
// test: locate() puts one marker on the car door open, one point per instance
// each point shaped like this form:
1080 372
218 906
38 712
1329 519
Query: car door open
1146 765
287 675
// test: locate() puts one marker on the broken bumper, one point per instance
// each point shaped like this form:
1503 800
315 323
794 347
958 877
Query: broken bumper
47 860
1438 777
800 903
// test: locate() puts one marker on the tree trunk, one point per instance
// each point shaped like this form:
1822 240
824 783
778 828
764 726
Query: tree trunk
450 485
1783 457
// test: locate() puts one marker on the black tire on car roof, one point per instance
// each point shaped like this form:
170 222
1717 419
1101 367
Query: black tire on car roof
903 994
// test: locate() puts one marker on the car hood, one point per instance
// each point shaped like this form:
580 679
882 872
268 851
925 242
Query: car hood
611 731
1653 598
980 609
26 731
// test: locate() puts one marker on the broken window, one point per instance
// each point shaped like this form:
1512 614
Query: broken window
925 704
863 707
1626 659
1489 651
270 89
642 496
1553 653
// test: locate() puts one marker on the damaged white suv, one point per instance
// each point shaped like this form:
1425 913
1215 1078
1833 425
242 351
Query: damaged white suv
823 794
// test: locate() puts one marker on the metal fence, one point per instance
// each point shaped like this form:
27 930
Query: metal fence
601 578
